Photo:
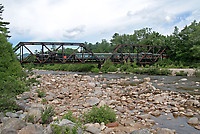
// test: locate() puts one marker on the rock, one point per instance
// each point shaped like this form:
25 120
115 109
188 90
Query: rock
32 129
174 109
1 116
93 101
156 113
22 105
147 79
189 114
92 129
165 131
35 113
9 131
13 123
144 116
197 127
183 79
49 98
113 124
12 115
193 121
192 102
141 131
91 85
120 109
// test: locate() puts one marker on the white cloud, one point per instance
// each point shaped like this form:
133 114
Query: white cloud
93 20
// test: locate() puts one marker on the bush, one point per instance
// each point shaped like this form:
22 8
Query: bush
197 73
41 93
70 117
56 129
181 73
47 115
95 70
108 66
98 115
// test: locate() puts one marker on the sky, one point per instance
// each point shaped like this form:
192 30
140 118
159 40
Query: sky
93 20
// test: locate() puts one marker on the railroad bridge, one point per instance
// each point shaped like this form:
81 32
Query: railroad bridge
56 52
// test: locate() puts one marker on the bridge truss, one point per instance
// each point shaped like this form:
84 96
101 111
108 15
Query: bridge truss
55 52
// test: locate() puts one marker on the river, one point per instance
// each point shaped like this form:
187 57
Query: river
189 84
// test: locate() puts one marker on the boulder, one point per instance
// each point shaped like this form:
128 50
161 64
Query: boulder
193 121
32 129
93 101
165 131
35 113
141 131
13 124
9 131
92 128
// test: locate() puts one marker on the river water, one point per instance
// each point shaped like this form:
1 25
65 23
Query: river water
189 84
174 83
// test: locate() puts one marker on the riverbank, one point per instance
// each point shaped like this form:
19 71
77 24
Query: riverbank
140 106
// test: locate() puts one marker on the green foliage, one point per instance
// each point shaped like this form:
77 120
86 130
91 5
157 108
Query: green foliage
30 118
41 93
108 66
98 115
47 115
95 70
70 117
11 74
181 73
197 73
56 129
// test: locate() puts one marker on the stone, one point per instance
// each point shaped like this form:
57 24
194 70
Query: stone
141 131
1 116
92 129
91 85
9 131
34 112
144 116
32 129
174 109
189 114
193 121
183 79
165 131
93 101
12 115
113 124
197 127
156 113
192 102
14 123
147 79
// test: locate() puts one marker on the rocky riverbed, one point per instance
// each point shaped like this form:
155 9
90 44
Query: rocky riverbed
141 108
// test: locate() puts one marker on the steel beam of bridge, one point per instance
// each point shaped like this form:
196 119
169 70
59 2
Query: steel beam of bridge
141 54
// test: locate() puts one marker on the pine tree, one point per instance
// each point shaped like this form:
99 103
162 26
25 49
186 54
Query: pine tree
11 73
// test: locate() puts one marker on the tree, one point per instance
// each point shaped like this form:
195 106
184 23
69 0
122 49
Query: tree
3 28
11 73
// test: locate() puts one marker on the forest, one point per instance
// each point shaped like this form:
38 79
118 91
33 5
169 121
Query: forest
184 45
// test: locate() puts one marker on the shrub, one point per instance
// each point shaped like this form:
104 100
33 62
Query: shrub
98 115
30 118
95 70
197 73
181 73
70 117
41 93
47 115
56 129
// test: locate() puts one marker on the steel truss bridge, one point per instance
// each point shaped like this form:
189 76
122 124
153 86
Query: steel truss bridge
55 52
